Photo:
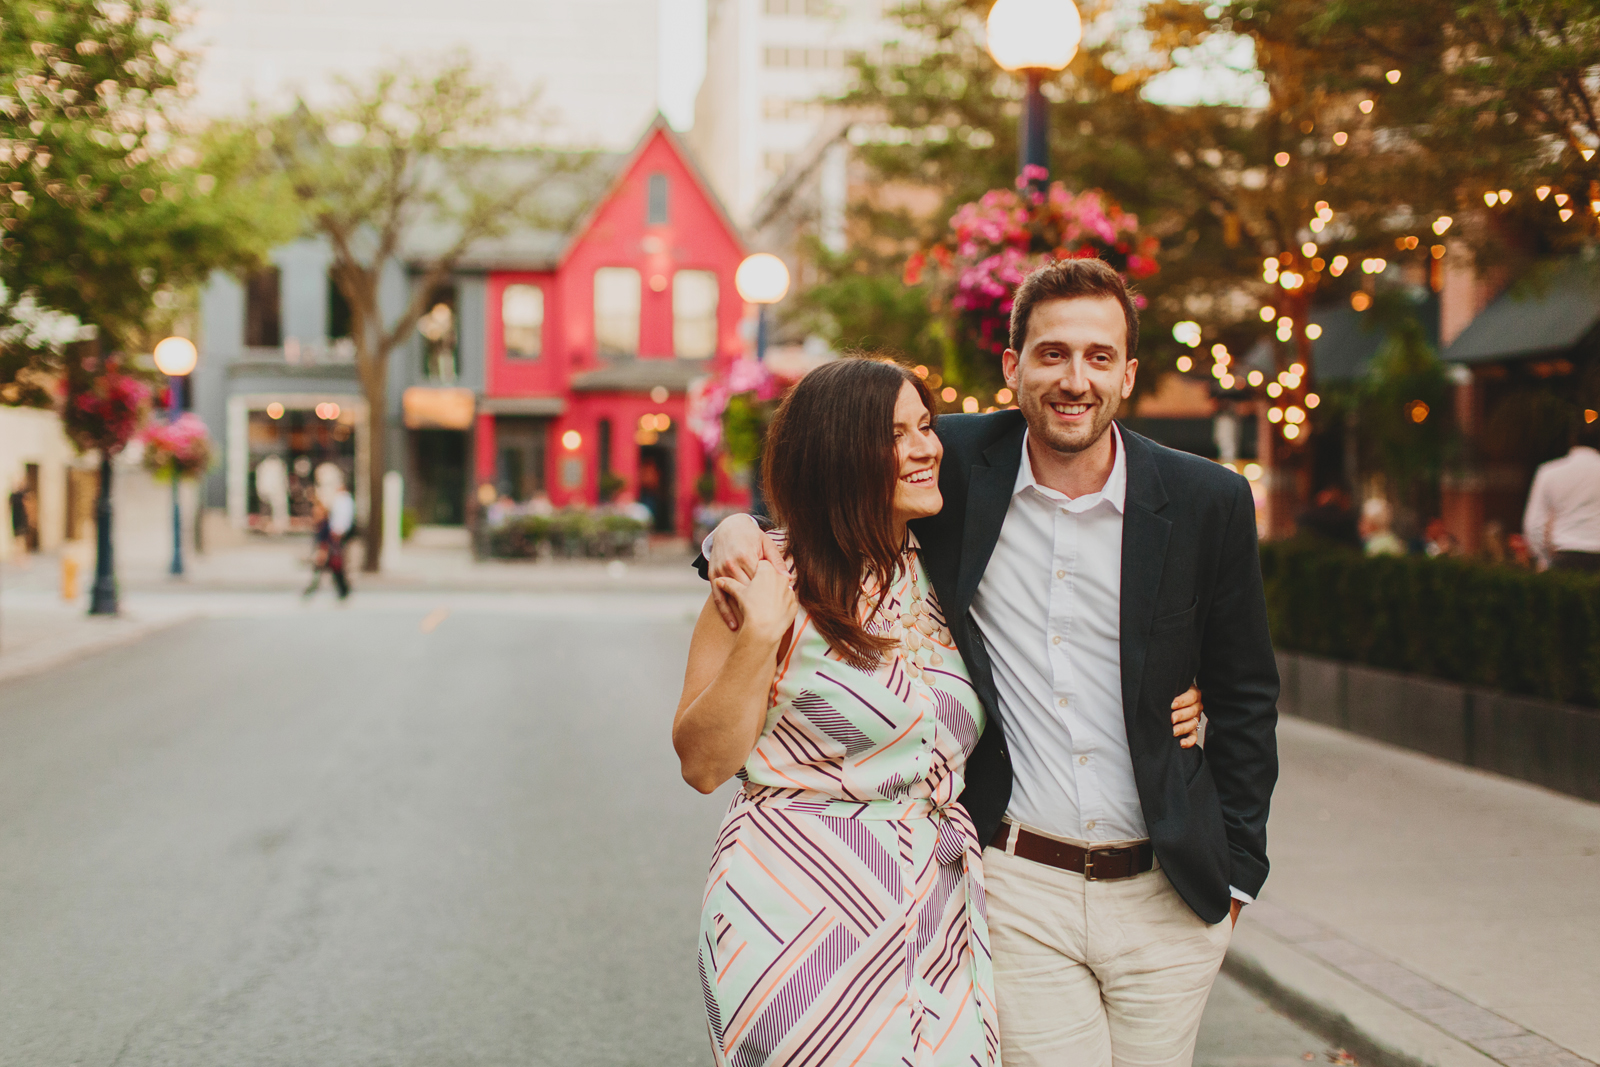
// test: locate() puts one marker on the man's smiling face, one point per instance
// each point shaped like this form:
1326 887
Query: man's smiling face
1073 373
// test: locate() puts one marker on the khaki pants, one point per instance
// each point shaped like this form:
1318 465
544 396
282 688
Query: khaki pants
1096 974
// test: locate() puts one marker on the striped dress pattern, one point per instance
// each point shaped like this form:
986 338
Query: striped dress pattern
843 923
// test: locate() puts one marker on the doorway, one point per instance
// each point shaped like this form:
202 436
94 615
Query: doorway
439 458
520 457
657 480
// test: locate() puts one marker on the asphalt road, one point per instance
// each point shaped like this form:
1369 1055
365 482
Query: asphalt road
415 831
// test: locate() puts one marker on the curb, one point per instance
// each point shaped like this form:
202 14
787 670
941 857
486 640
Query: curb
28 663
1382 1013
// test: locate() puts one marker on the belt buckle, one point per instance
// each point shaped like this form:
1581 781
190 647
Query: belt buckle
1088 861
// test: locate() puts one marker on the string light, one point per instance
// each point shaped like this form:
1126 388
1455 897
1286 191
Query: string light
1566 213
1004 396
1338 265
1297 369
1323 210
948 395
1542 192
1268 313
1313 331
1360 301
1295 415
1227 381
1274 390
1586 153
1309 249
970 405
1441 224
1281 159
1340 138
1491 198
1317 225
1561 199
1505 196
1437 251
1218 370
1366 107
1275 414
1291 431
1312 400
1255 377
1393 76
1185 364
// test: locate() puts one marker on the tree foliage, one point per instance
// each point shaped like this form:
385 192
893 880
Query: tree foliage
405 172
112 210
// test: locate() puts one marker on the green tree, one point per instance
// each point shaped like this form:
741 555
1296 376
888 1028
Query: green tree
113 211
408 170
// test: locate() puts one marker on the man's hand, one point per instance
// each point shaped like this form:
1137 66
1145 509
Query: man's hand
737 547
1238 906
765 603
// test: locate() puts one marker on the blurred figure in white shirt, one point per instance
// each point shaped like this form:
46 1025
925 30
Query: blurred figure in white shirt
1562 521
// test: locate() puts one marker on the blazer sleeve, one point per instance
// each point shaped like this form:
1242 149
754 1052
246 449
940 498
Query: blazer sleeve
1239 679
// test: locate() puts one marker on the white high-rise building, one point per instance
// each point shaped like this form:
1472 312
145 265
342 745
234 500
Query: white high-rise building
597 61
768 62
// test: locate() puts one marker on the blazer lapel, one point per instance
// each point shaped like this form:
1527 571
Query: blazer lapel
1144 557
988 497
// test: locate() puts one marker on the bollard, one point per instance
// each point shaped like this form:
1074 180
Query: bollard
69 579
393 503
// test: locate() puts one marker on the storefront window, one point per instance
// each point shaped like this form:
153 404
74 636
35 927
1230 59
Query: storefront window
522 319
616 311
694 314
292 451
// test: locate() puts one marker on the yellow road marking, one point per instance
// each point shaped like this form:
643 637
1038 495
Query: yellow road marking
432 620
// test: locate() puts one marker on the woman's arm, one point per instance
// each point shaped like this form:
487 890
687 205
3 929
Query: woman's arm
729 677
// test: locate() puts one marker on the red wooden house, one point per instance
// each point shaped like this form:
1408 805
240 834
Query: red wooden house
589 354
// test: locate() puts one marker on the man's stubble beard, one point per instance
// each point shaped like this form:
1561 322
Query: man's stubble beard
1037 414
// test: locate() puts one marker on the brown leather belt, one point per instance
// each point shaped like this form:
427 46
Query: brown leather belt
1098 864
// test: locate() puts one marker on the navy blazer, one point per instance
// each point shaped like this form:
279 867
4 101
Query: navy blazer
1193 610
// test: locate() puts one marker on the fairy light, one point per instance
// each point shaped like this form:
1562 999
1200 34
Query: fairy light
1505 196
1360 301
1255 378
1542 192
1317 225
1309 249
1295 415
1312 400
1268 313
1226 381
1393 76
1274 389
1297 369
1005 396
1338 265
1491 198
1566 213
1441 224
1275 414
949 394
1185 364
1313 331
1437 251
970 405
1366 107
1340 138
1291 431
1561 199
1281 159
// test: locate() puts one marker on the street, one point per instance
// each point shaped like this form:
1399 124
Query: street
421 829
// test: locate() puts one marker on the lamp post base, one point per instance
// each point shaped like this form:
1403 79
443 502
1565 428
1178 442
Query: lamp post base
103 596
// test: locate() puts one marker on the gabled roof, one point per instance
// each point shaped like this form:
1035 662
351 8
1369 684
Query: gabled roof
1541 316
657 125
579 196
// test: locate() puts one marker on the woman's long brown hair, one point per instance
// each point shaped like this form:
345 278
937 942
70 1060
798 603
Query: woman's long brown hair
829 473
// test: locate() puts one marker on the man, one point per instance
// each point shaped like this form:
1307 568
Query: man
1562 521
1089 575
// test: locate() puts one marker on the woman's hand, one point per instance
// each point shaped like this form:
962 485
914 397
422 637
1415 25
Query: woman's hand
737 546
1186 712
765 602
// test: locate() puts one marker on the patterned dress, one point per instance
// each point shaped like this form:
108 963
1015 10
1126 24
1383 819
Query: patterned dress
843 923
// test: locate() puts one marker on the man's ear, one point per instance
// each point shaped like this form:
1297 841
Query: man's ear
1010 366
1128 376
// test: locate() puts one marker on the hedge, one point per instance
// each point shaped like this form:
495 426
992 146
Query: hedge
1462 620
570 532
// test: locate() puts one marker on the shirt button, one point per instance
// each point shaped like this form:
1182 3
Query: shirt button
1083 759
1061 574
1089 825
1056 640
1062 702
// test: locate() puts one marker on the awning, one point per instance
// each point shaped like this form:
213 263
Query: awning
1544 314
641 376
545 406
437 409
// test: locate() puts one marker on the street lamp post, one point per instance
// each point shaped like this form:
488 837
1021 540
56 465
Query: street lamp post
762 280
176 358
1035 38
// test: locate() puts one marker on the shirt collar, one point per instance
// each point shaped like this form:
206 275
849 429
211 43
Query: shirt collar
1114 492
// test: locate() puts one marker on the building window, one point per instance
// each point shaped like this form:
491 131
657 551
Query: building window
782 109
438 329
657 215
806 58
522 321
694 314
263 321
338 312
616 311
812 8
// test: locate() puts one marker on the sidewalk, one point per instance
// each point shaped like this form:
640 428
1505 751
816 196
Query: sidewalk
1426 913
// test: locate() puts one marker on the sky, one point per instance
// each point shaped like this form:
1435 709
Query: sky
683 59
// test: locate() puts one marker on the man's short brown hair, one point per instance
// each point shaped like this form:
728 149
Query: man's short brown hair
1066 279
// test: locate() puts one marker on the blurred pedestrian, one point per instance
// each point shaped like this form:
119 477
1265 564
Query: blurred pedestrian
1562 520
272 489
1439 540
1331 518
1377 539
327 553
21 515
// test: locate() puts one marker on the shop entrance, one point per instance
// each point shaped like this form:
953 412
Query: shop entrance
520 457
658 478
440 459
287 448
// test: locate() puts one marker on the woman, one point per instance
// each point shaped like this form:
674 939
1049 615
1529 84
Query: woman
843 920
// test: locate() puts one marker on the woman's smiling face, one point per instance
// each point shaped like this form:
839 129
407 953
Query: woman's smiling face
917 452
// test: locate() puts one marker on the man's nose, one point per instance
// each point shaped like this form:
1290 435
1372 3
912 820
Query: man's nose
1074 379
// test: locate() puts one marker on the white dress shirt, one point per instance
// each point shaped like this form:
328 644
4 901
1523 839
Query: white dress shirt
1049 609
1563 512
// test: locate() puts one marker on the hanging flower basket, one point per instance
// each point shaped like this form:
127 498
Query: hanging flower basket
103 405
182 447
995 241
